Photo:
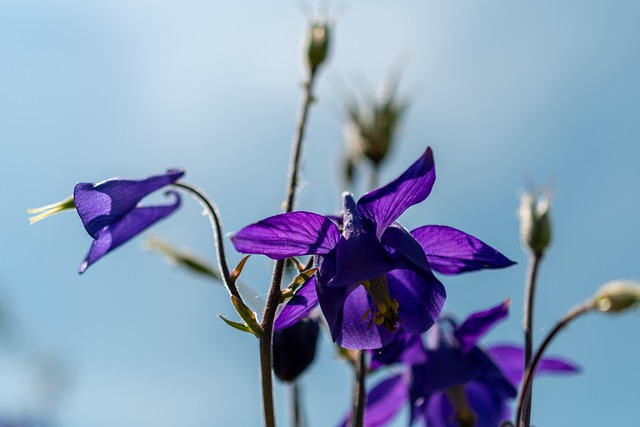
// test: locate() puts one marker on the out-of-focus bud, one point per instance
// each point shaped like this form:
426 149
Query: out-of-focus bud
294 349
317 43
617 296
535 221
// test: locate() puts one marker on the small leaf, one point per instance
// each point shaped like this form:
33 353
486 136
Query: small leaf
247 315
236 273
302 278
236 325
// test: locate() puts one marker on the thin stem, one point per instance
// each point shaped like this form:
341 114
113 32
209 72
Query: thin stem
529 373
216 225
296 407
529 301
273 297
359 392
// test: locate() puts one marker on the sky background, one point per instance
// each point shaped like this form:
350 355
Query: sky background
502 91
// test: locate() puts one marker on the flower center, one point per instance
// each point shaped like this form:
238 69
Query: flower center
463 413
384 309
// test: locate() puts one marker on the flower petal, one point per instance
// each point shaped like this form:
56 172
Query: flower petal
452 251
405 348
344 313
287 235
136 221
510 358
384 205
477 324
299 306
404 249
490 407
107 202
420 298
383 401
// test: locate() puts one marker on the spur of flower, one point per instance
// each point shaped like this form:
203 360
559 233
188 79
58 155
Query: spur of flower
452 382
373 274
109 210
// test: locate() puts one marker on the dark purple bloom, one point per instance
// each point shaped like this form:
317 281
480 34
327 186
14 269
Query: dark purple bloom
110 213
454 383
374 275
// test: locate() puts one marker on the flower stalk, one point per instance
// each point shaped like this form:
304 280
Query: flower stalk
529 298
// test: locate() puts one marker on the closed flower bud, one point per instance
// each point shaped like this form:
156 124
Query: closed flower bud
617 296
294 349
317 43
535 222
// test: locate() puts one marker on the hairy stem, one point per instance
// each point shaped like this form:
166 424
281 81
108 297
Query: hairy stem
529 373
216 226
359 392
273 297
529 301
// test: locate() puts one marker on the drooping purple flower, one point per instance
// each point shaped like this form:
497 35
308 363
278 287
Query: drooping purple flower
454 383
373 275
110 213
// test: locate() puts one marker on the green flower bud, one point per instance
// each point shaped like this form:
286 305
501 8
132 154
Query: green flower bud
535 221
617 296
317 44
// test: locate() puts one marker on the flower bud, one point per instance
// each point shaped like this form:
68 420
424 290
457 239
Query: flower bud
317 44
294 349
617 296
535 222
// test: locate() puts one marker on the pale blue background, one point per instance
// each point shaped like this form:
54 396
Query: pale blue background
500 89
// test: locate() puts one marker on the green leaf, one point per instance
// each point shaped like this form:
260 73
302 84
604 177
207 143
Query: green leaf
247 315
236 325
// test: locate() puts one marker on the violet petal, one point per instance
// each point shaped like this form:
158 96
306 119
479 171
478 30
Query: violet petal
451 251
299 306
383 402
287 235
478 323
384 205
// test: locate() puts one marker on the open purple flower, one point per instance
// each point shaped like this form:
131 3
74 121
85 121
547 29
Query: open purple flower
453 382
110 213
374 275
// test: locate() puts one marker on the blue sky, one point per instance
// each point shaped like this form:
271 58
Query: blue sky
501 90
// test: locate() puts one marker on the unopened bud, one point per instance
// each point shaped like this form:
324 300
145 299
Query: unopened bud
317 44
617 296
535 221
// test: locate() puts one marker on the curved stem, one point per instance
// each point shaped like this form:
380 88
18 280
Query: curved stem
273 297
529 373
216 225
359 391
530 293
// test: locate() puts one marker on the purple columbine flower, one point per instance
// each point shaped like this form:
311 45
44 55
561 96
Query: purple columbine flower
110 213
374 275
452 382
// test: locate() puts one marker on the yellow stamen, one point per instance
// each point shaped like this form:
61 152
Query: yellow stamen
464 414
384 309
52 209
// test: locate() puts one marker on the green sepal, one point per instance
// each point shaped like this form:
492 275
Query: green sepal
236 272
299 280
236 325
250 318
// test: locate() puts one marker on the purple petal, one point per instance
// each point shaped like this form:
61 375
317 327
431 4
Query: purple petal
405 348
299 306
383 401
107 202
489 406
359 254
477 324
452 251
384 205
420 298
404 249
136 221
511 360
344 312
287 235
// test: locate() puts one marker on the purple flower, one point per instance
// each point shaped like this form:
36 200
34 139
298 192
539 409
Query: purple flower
110 213
374 275
453 382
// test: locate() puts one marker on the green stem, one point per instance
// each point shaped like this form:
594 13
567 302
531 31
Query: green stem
529 373
359 392
273 297
216 226
530 292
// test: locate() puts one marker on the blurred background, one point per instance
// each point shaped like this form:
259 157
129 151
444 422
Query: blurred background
505 93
